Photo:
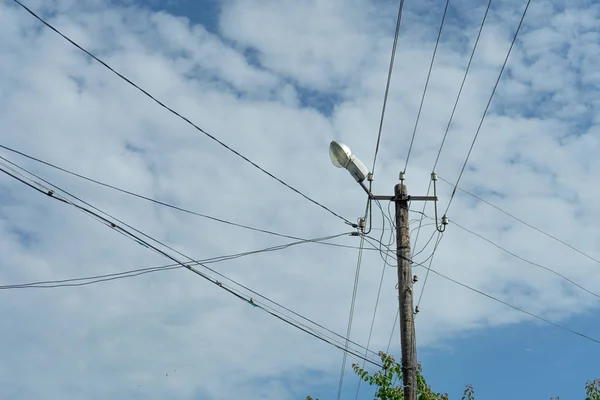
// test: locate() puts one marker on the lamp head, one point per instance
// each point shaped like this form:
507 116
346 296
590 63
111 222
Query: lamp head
339 154
342 157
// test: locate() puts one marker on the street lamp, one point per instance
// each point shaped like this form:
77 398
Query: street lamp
342 157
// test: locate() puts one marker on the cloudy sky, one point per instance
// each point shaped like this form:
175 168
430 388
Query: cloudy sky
277 81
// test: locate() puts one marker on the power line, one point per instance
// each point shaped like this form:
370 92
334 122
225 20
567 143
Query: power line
387 350
179 115
141 271
351 317
488 104
526 260
375 310
512 254
389 79
524 223
458 95
412 140
158 202
437 243
516 308
462 84
233 292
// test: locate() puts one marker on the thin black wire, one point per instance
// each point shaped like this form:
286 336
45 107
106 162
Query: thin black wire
524 223
179 115
437 42
351 317
488 104
197 272
458 95
375 310
387 350
158 202
142 271
389 79
525 260
516 308
437 243
487 9
429 241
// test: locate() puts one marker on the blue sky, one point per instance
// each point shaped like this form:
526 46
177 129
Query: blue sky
277 80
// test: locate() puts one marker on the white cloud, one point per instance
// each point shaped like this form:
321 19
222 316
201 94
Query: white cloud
121 339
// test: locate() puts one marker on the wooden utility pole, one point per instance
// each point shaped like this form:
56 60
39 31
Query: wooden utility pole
405 283
405 295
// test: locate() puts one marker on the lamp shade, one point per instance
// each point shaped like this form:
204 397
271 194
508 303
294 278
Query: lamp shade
340 154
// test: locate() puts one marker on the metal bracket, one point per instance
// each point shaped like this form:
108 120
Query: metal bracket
408 198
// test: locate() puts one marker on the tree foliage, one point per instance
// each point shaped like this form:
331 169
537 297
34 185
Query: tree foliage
388 383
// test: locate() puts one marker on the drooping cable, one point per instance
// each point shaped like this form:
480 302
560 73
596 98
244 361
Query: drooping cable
351 317
389 79
242 297
552 271
437 42
516 308
488 104
188 121
387 350
437 243
524 222
84 281
456 101
385 263
161 203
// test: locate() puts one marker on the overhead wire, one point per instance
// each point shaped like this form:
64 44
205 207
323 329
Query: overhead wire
246 299
524 222
552 271
385 263
513 254
388 81
517 308
431 257
158 202
387 350
351 316
456 101
488 104
437 42
185 119
141 271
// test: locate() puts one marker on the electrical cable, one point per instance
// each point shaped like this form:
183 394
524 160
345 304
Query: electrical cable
387 350
389 79
158 202
437 42
142 271
437 243
488 104
524 223
456 101
250 301
516 308
351 317
525 260
374 311
188 121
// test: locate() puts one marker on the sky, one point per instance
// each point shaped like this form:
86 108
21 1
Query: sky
277 81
